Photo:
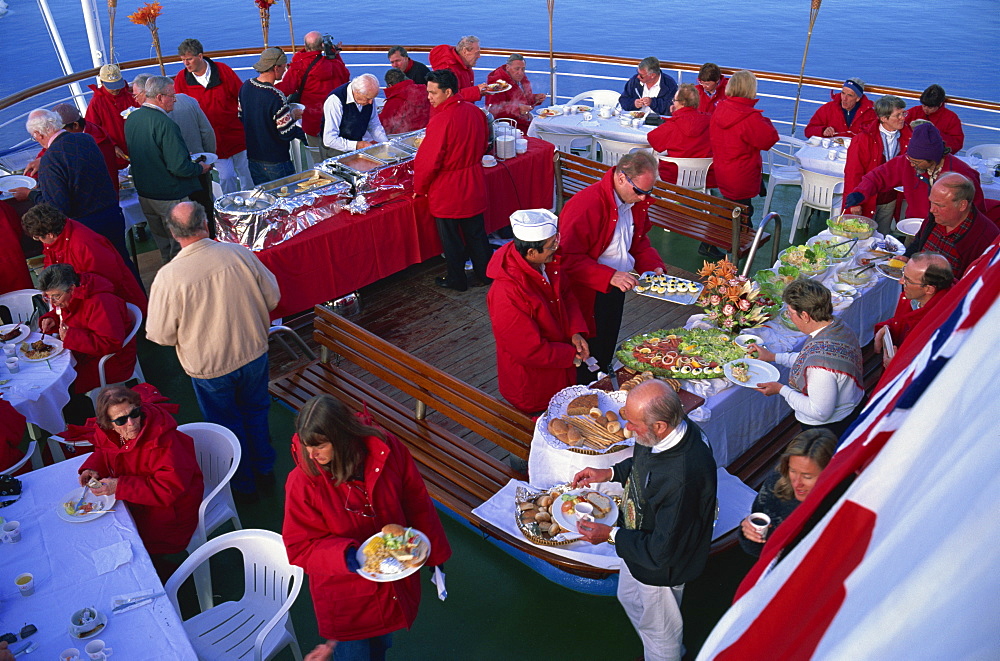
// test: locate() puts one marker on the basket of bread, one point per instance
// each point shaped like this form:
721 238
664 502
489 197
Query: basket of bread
549 517
586 421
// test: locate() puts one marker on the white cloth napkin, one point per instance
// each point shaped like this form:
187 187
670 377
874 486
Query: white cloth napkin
111 557
438 580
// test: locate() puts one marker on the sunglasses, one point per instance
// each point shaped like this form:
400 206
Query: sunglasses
638 191
123 420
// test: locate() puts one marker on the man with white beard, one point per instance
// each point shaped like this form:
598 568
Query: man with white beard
667 513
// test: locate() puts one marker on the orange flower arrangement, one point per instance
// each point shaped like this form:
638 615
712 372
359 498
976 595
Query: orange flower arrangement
147 15
731 300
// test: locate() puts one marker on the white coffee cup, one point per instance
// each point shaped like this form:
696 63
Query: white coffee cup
637 122
11 532
489 161
521 145
13 365
569 110
760 522
9 349
584 511
69 654
826 142
831 155
26 584
605 111
588 116
625 120
97 651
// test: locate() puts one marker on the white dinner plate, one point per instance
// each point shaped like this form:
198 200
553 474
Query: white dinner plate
24 332
388 578
210 158
746 341
910 226
104 503
15 181
569 521
51 341
503 89
760 372
549 112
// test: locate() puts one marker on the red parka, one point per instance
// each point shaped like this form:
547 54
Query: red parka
158 473
12 428
98 324
446 57
708 103
324 77
13 268
739 132
89 252
105 110
533 322
219 101
832 114
906 318
448 167
864 155
685 134
947 123
899 172
319 530
508 104
406 107
586 227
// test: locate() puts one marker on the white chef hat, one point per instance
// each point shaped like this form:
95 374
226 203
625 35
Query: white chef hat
534 224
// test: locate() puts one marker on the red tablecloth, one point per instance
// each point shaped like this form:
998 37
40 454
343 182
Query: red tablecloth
347 252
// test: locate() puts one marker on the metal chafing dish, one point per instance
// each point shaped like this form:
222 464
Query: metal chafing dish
245 203
307 181
381 167
409 141
386 152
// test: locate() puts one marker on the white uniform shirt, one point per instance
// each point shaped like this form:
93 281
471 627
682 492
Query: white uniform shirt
617 255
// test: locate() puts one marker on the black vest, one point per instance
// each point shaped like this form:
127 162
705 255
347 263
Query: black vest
354 121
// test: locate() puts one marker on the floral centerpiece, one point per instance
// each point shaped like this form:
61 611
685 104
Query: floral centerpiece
265 16
147 15
732 301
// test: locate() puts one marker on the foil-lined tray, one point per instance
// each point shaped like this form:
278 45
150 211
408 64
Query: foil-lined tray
307 181
409 141
523 495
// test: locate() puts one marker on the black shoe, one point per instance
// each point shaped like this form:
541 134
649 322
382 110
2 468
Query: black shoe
706 250
246 497
482 282
443 282
266 482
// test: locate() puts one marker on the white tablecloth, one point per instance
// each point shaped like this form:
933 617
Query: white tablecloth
128 200
991 190
604 128
58 553
816 159
40 390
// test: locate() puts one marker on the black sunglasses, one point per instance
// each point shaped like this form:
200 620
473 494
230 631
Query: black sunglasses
638 191
133 414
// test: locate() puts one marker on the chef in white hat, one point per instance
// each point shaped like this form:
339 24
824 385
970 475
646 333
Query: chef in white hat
537 322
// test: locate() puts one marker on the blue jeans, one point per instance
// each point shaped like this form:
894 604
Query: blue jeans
369 649
262 172
239 401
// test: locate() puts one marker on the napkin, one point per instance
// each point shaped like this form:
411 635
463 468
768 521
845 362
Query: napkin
111 557
438 580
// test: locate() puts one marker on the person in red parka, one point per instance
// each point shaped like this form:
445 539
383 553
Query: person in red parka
91 322
106 106
448 169
739 132
460 60
351 480
216 88
847 113
14 273
142 459
947 122
406 106
537 324
869 149
12 428
65 241
682 135
517 102
315 71
604 230
925 275
711 87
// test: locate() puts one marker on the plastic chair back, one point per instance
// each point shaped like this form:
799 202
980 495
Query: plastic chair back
984 151
20 304
613 150
599 98
32 453
691 172
135 314
566 142
818 189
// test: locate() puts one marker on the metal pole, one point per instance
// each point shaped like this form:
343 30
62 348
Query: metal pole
95 35
552 60
64 64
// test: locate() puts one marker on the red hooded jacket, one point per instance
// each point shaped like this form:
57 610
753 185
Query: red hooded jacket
89 252
533 322
899 172
105 110
219 101
508 104
98 323
12 428
13 268
946 121
446 57
685 134
318 531
831 114
587 225
448 167
324 77
708 103
158 473
739 132
406 107
906 318
864 155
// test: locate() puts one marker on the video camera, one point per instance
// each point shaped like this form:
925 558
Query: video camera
330 49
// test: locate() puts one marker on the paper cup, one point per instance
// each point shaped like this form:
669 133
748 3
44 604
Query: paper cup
9 349
584 511
26 584
12 365
760 522
11 532
69 654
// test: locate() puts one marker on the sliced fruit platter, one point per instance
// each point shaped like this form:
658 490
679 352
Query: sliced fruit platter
680 354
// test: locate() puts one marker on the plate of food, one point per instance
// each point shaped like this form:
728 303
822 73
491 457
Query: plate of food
837 249
204 157
668 288
680 353
12 181
549 112
393 554
748 372
574 506
498 87
583 108
71 508
13 333
39 350
893 269
851 226
809 260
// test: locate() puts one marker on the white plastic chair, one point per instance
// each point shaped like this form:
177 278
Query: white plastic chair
20 304
691 172
984 151
819 191
613 150
136 315
599 97
782 167
259 621
218 451
569 142
56 443
32 453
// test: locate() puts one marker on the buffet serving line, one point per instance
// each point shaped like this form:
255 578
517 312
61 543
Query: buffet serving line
82 567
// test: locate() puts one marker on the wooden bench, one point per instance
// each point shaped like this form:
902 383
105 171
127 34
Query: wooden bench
706 218
439 418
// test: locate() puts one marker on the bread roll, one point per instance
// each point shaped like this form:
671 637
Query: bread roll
614 427
544 501
574 438
527 517
526 506
626 432
558 426
611 416
543 516
596 413
393 529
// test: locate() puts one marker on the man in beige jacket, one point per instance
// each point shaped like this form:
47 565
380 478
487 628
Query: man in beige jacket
212 303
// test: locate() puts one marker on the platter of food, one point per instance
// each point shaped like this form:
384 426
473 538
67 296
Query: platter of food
668 288
809 260
893 269
43 349
13 333
586 421
498 87
12 181
748 372
837 249
679 353
583 108
549 112
851 227
72 510
855 277
786 321
583 504
393 553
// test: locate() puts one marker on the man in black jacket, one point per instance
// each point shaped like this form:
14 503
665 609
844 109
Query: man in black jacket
665 523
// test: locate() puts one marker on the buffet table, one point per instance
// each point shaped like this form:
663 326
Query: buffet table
346 252
64 559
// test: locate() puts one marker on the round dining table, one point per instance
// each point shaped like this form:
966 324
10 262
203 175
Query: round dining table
816 158
40 389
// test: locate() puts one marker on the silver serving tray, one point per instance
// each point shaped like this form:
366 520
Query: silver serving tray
408 141
291 183
386 152
681 298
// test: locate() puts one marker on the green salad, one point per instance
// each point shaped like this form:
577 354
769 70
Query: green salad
808 259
